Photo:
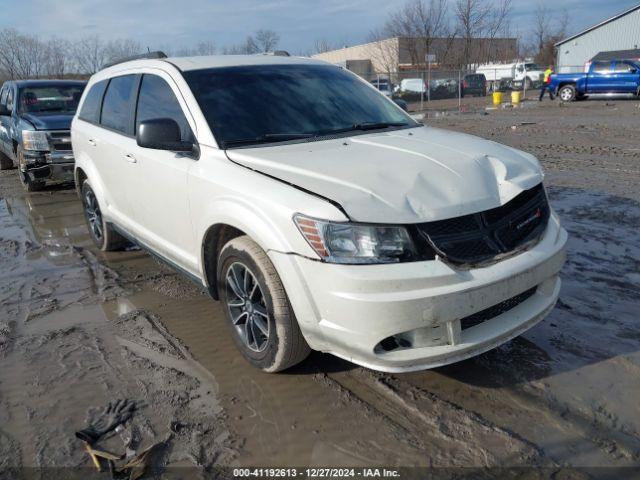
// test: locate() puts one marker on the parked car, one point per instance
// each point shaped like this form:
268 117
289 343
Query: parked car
383 85
402 104
474 84
35 118
412 85
604 78
319 213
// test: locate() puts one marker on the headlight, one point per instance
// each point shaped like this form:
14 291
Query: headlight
357 243
32 140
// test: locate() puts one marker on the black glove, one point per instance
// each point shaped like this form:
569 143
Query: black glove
112 416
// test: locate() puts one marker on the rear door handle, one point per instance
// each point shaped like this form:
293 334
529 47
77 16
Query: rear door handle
92 142
130 158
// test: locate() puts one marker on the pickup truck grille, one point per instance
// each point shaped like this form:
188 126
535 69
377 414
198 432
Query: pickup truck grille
60 140
481 237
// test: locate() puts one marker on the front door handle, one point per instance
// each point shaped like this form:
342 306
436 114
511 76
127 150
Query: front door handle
130 158
92 142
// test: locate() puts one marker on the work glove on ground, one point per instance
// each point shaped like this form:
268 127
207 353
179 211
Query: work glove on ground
112 416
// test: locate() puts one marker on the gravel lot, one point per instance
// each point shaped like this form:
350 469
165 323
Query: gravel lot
79 328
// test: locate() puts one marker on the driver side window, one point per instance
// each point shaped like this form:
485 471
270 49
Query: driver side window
157 100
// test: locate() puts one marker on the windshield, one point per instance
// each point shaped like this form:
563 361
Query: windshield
50 98
531 66
266 103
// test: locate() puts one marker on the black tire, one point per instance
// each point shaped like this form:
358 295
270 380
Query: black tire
102 233
567 93
28 185
265 307
5 162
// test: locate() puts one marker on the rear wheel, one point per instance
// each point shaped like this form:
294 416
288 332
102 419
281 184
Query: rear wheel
567 93
262 321
101 232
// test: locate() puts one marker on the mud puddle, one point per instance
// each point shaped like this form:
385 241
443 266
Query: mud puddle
79 327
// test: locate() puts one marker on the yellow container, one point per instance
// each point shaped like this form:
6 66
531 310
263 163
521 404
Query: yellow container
516 97
497 98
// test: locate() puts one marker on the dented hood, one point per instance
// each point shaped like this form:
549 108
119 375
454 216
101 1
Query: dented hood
405 176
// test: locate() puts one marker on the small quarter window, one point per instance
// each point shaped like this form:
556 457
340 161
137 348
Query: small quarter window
116 107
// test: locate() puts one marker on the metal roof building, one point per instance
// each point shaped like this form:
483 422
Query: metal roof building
621 32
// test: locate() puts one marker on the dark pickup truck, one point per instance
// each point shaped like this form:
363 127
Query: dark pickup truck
35 119
604 78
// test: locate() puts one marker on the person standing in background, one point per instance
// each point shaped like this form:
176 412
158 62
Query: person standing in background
545 83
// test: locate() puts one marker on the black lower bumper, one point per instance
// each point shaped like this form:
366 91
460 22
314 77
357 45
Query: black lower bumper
62 172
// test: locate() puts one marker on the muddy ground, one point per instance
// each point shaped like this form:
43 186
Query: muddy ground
79 328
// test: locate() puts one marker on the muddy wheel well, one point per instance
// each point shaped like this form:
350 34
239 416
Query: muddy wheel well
216 238
80 178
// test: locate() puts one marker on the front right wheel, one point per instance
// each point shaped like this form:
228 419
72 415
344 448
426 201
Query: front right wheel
262 321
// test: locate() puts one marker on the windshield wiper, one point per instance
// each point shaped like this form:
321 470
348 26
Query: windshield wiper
268 137
366 126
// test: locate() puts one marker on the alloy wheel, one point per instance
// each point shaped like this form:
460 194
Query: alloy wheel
566 94
94 216
247 307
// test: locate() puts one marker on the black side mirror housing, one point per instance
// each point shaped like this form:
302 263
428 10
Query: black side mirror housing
162 134
4 111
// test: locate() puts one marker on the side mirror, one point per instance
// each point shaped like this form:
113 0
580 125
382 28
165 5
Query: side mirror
162 134
4 111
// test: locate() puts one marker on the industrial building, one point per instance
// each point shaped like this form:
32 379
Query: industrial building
619 33
408 53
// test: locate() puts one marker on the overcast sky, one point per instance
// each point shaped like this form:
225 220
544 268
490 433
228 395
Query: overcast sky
159 23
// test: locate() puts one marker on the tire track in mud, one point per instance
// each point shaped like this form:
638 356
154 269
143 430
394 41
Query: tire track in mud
448 434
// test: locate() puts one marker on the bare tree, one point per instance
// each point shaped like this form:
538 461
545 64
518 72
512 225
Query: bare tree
546 32
541 25
266 40
321 46
497 23
423 22
206 48
89 54
58 61
384 52
471 16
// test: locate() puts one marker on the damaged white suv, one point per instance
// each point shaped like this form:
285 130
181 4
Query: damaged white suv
319 213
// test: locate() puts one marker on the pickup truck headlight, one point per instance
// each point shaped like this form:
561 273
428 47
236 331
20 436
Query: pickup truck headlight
33 140
353 243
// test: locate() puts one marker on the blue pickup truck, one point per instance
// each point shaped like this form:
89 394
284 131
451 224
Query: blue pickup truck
604 78
35 119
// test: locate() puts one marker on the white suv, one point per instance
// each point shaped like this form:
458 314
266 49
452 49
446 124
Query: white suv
319 213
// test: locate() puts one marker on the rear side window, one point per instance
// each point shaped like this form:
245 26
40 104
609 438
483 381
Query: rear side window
601 67
90 110
156 100
3 96
623 67
116 107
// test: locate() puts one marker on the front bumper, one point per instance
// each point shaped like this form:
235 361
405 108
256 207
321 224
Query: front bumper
54 166
349 310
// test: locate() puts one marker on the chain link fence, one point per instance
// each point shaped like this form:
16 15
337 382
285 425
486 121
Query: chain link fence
420 87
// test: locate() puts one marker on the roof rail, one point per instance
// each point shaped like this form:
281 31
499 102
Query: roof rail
156 54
